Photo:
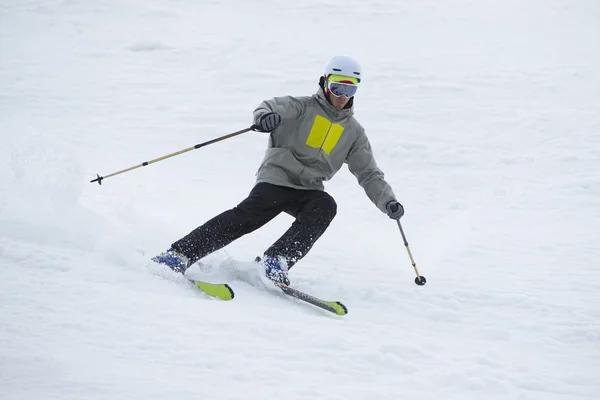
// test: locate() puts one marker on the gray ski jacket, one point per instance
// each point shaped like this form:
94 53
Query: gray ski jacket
312 143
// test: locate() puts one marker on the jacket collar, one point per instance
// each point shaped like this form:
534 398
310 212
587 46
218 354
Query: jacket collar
328 108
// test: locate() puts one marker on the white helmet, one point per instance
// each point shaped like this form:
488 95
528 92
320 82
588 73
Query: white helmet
343 65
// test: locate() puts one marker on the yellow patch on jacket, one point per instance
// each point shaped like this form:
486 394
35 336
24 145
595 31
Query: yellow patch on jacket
324 135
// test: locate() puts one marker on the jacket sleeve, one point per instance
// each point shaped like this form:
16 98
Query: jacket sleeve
363 166
288 107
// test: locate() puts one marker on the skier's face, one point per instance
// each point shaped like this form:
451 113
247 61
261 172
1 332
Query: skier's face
340 89
338 102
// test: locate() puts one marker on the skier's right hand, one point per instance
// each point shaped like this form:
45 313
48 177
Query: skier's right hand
394 210
269 122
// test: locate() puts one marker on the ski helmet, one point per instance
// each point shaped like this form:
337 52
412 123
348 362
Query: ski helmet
343 65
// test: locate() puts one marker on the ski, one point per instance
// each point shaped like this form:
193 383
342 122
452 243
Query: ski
332 306
217 290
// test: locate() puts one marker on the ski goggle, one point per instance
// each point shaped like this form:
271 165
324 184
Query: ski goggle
339 85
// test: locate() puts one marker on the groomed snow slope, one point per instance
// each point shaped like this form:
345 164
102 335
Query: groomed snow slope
484 115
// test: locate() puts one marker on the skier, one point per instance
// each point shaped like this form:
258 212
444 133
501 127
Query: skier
311 138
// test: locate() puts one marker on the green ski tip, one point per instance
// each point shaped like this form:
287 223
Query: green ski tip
219 290
339 308
334 306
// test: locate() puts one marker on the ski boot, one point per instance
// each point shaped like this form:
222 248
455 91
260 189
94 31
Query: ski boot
276 270
174 260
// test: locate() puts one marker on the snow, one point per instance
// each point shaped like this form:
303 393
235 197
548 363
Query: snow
483 114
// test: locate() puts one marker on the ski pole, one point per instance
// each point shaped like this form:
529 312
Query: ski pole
420 279
100 178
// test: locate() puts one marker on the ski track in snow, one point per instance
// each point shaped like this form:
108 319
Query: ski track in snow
484 116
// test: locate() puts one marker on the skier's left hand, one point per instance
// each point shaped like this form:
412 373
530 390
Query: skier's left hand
394 210
269 122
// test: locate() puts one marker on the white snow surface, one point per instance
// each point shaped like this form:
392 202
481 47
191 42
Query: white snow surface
484 115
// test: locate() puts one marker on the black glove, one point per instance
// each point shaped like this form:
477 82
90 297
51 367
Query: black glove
269 122
394 209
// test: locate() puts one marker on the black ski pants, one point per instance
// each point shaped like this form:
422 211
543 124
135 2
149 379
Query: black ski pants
313 209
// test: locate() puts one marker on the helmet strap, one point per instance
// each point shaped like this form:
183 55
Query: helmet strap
324 88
